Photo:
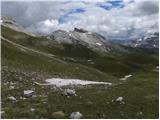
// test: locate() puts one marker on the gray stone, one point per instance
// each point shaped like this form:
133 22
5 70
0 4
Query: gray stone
12 98
28 93
32 109
69 92
76 115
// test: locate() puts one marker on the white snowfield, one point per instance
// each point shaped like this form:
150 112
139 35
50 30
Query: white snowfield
65 82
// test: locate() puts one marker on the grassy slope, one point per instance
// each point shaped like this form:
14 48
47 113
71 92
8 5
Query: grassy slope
140 92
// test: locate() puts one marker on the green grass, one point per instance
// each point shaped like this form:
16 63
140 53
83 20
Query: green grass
92 102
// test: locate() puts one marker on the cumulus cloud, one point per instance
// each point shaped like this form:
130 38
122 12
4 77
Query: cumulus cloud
122 19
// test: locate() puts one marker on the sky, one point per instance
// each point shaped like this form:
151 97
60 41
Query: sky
114 19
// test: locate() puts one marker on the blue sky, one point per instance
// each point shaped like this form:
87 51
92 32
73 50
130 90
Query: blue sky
115 19
105 5
64 17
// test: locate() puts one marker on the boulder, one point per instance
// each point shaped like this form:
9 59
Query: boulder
12 98
69 92
120 100
28 93
76 115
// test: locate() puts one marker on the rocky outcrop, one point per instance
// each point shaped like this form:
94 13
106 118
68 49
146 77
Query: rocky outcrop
12 24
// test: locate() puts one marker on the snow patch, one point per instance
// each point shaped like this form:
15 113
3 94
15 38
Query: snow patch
126 77
64 82
98 44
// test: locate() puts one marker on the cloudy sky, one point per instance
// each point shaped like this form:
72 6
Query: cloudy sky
115 19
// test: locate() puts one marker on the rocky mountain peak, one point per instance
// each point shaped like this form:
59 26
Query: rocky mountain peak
80 36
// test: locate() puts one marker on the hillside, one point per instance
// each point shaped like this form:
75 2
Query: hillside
28 59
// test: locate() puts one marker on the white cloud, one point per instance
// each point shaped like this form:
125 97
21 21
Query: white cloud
50 23
131 21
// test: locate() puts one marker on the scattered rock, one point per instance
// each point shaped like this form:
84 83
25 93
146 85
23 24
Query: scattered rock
28 93
108 102
120 100
2 112
11 83
89 102
22 98
11 87
122 114
76 115
69 92
12 98
77 68
32 109
140 113
58 114
44 102
34 96
69 59
156 69
92 63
